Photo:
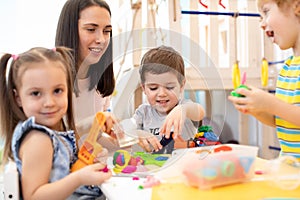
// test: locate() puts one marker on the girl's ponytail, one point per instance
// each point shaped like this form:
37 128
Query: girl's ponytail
6 112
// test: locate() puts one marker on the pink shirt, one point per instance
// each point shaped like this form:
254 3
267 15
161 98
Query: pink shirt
88 103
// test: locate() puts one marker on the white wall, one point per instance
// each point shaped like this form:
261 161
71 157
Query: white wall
28 23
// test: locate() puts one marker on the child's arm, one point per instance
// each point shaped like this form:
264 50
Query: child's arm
36 153
176 118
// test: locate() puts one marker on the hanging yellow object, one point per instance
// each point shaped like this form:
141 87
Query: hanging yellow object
236 77
264 72
115 92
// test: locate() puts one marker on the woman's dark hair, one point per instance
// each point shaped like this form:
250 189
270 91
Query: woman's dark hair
101 74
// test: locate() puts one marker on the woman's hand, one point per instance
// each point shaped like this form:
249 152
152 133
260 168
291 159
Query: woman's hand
84 126
109 123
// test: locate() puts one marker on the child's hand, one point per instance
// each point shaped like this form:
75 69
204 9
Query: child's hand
149 143
102 156
173 122
255 100
92 174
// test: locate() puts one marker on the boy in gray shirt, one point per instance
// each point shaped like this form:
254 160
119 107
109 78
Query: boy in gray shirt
163 79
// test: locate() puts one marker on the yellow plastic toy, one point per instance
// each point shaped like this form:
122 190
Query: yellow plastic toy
264 72
236 76
90 148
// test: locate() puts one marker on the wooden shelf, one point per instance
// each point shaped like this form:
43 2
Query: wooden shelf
208 78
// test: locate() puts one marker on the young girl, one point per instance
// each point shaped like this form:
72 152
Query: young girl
36 91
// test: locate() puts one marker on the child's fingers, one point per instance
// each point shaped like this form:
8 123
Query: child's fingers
145 145
164 127
242 91
155 143
108 124
167 128
176 129
103 176
98 166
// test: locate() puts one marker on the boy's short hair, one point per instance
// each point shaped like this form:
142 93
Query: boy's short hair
160 60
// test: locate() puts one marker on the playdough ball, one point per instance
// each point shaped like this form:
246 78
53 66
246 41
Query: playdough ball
129 169
284 172
162 158
235 94
121 159
132 161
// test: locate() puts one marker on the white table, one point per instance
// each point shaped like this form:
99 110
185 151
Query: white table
117 188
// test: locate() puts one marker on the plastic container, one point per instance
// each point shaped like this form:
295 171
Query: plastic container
220 165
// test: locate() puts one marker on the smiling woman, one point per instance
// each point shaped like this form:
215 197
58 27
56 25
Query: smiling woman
85 27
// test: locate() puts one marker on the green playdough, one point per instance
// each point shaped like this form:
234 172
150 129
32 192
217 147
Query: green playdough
235 94
152 159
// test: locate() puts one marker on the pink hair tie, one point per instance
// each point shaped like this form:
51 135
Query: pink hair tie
15 57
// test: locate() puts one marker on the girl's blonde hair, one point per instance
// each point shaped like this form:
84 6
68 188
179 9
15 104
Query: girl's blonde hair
11 68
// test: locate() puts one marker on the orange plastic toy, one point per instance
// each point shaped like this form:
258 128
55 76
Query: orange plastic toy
90 148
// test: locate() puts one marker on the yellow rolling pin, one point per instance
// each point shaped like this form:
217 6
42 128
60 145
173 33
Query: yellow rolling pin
90 148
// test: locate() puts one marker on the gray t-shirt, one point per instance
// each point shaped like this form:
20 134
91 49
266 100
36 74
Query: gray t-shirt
148 119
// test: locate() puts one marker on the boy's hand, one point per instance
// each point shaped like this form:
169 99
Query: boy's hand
173 122
149 143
